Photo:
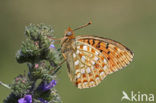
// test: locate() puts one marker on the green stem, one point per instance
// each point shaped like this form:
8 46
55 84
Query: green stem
5 85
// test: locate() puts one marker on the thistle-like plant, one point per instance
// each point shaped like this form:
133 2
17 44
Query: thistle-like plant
43 59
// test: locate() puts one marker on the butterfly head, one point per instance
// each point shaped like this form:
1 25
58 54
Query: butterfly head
69 33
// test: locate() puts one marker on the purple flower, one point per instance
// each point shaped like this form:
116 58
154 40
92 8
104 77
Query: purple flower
26 99
51 46
43 101
47 86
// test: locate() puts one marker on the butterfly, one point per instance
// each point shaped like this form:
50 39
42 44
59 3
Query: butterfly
91 58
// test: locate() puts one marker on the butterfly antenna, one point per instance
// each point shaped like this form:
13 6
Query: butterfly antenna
83 26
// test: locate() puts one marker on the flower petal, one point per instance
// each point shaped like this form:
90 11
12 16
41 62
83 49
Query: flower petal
21 100
28 98
52 46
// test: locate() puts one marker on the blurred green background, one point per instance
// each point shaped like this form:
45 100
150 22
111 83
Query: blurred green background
131 22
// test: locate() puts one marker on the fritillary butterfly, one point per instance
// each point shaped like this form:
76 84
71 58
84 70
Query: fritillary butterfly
90 58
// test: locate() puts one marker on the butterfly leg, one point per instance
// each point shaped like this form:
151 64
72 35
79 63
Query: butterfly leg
56 69
59 65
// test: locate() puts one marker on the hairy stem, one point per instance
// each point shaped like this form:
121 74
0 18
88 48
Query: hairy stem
5 85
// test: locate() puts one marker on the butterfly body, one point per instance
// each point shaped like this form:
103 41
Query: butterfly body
90 58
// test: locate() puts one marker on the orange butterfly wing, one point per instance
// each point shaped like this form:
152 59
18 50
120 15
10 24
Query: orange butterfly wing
93 58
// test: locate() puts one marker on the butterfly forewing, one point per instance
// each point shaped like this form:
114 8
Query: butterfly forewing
116 54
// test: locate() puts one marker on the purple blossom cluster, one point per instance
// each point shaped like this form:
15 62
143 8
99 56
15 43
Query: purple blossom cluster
43 87
47 86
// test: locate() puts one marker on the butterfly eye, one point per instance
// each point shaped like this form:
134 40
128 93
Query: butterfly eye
68 33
